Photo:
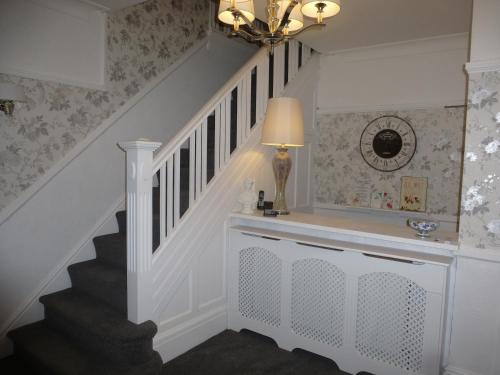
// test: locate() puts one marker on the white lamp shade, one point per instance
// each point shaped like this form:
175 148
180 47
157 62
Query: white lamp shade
244 6
332 7
296 19
10 91
284 123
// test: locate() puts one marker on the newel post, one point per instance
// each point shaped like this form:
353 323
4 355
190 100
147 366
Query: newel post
139 228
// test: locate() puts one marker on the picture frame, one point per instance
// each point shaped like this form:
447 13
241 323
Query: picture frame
413 194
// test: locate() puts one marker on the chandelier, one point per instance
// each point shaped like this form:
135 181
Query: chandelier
284 18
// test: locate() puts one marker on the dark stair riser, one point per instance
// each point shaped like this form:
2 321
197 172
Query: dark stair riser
112 249
102 281
40 350
99 339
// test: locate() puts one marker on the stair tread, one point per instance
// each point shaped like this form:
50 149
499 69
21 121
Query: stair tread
53 351
96 317
101 280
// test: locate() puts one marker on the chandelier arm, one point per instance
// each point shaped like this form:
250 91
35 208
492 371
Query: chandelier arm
249 36
294 34
286 15
248 23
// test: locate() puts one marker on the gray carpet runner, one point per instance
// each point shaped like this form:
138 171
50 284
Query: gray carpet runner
85 330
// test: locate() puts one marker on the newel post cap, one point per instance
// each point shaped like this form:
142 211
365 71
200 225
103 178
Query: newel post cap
141 144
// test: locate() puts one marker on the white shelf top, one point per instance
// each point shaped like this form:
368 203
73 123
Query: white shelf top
440 239
333 245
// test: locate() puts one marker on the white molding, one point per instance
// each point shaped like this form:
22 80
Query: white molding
26 195
388 107
45 284
487 255
483 66
404 48
450 370
184 336
54 78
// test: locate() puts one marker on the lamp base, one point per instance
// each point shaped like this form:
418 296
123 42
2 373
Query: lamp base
282 163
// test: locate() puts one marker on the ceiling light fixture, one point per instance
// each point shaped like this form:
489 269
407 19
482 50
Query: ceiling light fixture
284 18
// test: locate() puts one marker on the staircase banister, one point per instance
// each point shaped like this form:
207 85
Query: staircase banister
169 148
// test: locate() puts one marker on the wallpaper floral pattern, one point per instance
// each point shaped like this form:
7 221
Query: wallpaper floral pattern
143 40
480 206
339 169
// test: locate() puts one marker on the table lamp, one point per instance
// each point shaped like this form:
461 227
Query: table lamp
283 127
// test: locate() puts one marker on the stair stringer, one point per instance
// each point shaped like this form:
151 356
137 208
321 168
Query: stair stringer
203 229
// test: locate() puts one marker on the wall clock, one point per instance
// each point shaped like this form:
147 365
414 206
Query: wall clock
388 143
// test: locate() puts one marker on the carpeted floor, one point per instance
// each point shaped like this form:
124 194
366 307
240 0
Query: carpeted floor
247 353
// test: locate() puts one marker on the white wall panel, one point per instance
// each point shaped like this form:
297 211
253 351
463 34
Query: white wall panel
54 40
422 73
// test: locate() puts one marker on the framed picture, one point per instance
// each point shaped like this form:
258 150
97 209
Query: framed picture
413 193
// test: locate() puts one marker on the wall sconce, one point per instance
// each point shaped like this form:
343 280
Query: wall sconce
10 93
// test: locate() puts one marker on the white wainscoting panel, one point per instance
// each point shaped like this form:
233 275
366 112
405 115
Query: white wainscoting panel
54 40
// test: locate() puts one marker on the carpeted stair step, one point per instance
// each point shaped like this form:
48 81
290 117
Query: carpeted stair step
112 249
14 365
50 353
40 350
98 327
102 281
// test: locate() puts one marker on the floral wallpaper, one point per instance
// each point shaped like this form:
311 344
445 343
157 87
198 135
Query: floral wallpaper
480 206
340 171
142 41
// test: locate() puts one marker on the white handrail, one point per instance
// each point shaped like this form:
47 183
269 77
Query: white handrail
169 148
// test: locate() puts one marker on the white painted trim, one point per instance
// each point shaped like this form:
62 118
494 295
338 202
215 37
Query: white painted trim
387 107
450 370
100 7
487 255
405 48
179 339
42 288
483 66
26 195
54 78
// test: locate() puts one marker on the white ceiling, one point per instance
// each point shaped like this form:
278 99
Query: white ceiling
363 23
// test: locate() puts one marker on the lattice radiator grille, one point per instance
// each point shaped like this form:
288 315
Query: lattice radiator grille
318 301
260 285
390 320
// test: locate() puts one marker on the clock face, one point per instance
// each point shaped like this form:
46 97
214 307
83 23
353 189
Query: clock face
388 143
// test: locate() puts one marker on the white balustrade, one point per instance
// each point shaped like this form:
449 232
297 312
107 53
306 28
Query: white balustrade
189 149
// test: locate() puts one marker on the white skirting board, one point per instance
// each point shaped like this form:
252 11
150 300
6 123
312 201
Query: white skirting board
176 341
458 371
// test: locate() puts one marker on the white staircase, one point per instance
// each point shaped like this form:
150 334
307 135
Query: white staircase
181 285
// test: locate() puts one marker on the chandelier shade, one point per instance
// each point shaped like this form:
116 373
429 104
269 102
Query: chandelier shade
328 8
245 7
295 20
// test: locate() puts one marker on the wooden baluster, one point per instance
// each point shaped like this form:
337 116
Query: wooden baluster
170 195
177 186
163 202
